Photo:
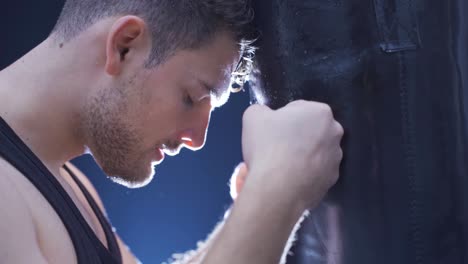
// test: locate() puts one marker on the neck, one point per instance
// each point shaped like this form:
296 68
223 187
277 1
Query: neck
40 98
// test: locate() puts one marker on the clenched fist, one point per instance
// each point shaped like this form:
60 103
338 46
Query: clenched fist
294 151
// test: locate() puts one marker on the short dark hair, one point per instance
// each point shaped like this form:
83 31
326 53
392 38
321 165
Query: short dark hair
176 24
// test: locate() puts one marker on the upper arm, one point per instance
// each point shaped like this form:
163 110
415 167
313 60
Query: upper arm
127 256
18 240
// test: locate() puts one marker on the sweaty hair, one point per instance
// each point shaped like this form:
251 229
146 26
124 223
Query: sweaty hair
173 24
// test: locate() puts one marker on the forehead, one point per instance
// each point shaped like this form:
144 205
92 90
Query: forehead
210 65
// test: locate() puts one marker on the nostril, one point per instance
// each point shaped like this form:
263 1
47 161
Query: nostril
187 141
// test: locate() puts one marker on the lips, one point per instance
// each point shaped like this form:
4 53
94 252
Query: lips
159 155
172 149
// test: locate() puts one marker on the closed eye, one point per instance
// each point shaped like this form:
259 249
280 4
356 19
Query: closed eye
188 101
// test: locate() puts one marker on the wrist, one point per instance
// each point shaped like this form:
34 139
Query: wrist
264 191
260 223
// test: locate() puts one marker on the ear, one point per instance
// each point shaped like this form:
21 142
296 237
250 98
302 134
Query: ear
126 35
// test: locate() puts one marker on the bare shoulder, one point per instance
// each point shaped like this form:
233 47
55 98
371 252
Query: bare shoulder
128 257
17 228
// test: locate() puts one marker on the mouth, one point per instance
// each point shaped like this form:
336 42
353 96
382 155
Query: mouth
159 155
172 150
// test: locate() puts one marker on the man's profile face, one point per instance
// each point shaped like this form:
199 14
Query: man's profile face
131 122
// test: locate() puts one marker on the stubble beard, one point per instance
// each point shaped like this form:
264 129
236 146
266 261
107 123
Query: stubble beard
113 142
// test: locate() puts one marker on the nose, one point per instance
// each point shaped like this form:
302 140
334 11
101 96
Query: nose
194 138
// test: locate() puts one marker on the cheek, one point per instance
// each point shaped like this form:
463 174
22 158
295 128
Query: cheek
159 120
165 107
162 110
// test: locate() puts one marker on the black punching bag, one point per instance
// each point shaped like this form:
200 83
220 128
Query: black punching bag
395 74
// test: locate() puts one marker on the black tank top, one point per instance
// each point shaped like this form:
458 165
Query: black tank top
88 248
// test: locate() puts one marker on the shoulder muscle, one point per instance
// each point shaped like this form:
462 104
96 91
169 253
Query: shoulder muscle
18 241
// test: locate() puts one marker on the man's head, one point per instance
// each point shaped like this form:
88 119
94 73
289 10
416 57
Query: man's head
159 69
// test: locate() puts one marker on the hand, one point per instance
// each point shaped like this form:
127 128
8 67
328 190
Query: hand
296 149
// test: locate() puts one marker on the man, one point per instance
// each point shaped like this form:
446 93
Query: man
130 81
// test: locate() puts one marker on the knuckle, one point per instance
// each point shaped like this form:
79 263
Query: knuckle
251 110
324 109
245 116
340 155
339 129
327 109
254 113
297 102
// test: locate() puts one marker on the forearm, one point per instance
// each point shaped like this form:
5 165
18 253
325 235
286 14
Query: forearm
196 256
256 231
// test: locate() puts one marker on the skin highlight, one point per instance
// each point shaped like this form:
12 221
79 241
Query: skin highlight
114 107
96 94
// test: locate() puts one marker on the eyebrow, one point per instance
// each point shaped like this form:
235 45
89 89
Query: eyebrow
210 88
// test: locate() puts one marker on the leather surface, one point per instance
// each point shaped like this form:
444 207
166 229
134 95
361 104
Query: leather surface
395 74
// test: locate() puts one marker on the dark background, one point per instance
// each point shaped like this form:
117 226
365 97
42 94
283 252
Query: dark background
189 194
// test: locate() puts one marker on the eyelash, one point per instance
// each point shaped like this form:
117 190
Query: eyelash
188 100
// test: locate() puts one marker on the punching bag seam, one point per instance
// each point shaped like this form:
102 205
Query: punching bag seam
408 141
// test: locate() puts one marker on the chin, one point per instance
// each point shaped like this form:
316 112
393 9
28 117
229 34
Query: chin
134 177
135 180
132 171
132 184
